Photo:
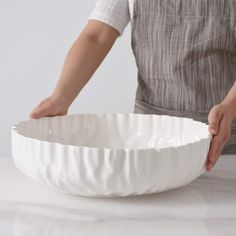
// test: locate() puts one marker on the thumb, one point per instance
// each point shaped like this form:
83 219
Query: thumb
214 118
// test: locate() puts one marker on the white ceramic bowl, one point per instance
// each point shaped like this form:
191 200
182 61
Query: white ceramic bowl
110 155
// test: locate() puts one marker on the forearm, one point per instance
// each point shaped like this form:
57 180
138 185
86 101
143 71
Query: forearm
84 57
230 101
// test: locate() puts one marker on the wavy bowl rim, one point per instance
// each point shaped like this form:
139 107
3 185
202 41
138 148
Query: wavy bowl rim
36 140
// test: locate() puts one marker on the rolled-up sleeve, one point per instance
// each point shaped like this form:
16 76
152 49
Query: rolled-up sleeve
112 12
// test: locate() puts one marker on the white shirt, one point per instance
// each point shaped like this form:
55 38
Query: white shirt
116 13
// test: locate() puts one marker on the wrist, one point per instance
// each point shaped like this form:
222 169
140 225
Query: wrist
65 93
229 107
61 99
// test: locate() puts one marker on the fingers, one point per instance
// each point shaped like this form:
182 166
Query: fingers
50 107
216 148
214 118
45 108
218 142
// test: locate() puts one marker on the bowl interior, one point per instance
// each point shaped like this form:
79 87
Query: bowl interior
116 131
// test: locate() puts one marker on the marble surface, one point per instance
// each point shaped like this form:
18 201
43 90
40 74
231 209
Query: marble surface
207 206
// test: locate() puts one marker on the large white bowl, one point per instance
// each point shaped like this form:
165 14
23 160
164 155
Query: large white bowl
110 155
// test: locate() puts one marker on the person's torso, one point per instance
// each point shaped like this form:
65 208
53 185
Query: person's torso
185 52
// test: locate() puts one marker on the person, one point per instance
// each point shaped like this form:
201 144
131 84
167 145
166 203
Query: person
185 56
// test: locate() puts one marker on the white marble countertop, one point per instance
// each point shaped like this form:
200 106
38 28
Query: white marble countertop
207 206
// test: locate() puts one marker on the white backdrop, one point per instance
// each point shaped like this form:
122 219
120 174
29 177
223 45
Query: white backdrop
35 37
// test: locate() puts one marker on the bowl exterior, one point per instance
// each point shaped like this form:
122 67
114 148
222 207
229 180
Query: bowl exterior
101 172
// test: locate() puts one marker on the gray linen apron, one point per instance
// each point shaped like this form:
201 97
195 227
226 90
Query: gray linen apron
185 52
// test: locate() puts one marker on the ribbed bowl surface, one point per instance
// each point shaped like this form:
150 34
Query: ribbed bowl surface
109 155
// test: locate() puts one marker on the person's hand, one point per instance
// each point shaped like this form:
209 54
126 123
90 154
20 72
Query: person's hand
220 119
51 106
